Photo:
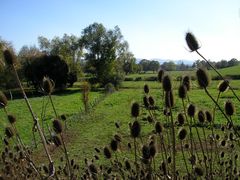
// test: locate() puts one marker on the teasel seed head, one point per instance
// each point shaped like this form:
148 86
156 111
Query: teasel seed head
127 165
146 89
135 109
203 78
182 133
63 117
11 118
9 132
191 42
56 140
93 169
135 129
57 126
201 116
146 102
191 110
48 85
114 145
187 82
117 137
181 119
151 101
107 153
198 171
182 91
145 152
3 100
229 108
169 99
223 86
208 116
161 73
9 57
152 150
158 127
167 83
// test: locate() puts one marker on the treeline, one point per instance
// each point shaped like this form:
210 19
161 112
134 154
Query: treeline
218 65
99 53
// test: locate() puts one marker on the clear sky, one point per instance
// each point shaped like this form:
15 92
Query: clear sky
153 28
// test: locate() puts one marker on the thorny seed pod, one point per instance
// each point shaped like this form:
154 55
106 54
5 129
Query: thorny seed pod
167 83
97 150
198 171
93 169
48 85
229 108
63 117
182 133
223 86
203 78
127 165
201 116
56 140
145 102
114 145
169 99
160 75
186 82
146 89
118 138
57 126
191 42
135 129
152 149
145 152
158 127
151 101
9 132
107 153
169 160
208 116
182 91
3 100
191 110
181 119
135 109
11 118
10 59
117 125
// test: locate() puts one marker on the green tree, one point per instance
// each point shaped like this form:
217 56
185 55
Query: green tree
104 51
67 47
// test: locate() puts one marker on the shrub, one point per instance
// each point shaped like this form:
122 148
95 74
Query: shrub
138 79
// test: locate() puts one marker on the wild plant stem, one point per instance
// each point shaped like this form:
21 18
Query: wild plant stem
66 156
218 74
174 144
55 112
201 145
184 158
35 119
229 121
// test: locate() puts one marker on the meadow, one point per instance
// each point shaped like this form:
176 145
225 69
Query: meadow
112 116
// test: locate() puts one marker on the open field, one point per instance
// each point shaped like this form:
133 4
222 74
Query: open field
97 128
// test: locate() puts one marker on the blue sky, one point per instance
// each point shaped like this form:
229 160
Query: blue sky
153 28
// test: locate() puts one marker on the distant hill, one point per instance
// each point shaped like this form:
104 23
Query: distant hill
161 61
229 71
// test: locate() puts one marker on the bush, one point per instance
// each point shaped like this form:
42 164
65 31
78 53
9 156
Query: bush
128 79
151 78
52 66
138 79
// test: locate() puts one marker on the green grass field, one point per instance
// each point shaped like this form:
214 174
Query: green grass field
97 128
